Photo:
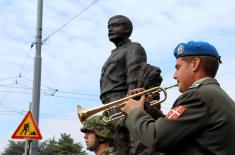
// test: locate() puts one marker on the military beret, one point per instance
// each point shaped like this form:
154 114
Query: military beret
196 49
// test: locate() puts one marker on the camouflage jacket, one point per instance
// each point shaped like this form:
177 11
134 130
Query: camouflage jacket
109 151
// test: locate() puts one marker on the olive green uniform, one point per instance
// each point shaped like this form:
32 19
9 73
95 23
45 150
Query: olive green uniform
205 126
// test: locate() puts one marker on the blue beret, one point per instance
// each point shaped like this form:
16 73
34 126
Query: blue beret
196 49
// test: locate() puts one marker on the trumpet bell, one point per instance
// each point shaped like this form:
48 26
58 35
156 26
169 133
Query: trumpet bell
82 113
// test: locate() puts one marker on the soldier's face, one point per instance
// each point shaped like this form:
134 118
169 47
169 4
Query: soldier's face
90 139
116 30
184 74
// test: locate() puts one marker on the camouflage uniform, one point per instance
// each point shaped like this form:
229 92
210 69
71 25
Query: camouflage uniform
109 151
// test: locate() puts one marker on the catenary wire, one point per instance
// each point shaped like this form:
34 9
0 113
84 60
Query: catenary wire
69 21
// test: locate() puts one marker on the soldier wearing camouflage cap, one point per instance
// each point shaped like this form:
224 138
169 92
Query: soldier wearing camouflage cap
98 135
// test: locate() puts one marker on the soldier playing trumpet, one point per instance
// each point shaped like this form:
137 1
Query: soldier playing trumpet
202 119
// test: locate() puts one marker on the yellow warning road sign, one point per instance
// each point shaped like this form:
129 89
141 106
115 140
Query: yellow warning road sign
27 129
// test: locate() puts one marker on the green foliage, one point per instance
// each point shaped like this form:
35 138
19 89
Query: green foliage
16 148
48 147
64 146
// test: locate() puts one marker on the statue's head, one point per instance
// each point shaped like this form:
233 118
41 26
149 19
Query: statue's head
119 28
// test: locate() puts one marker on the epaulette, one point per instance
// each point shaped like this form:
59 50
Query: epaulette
196 85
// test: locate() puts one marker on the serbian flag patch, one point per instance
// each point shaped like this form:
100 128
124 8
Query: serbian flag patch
175 112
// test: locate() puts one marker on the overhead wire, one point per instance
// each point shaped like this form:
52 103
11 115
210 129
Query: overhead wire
26 59
70 97
47 88
6 93
4 79
51 92
11 86
43 115
11 109
69 21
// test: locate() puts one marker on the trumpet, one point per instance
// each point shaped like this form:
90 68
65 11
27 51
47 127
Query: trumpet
83 114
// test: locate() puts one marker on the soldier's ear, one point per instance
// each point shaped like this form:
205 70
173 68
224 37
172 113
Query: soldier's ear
101 140
195 64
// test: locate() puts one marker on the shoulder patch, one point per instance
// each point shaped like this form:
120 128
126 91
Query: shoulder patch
175 112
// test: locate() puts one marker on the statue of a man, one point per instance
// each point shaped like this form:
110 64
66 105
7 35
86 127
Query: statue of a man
121 73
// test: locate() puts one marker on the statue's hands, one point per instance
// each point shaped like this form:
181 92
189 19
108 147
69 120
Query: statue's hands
132 104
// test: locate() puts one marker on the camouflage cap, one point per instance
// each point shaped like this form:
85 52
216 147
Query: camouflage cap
97 125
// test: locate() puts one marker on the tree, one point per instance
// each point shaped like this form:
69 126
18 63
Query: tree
16 148
64 146
48 147
67 146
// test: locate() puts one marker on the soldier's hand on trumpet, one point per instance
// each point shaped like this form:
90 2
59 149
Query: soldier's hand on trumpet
148 97
135 91
132 104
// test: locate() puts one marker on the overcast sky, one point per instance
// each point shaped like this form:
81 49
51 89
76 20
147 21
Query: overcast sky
72 58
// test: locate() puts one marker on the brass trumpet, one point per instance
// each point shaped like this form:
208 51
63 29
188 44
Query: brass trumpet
84 114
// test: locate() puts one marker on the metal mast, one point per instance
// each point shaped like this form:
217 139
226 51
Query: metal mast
37 73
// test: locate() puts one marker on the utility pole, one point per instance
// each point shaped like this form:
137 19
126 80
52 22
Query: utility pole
37 74
28 142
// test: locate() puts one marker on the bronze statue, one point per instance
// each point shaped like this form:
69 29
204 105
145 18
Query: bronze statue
119 73
123 71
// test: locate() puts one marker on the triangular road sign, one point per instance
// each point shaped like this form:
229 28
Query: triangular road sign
27 129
